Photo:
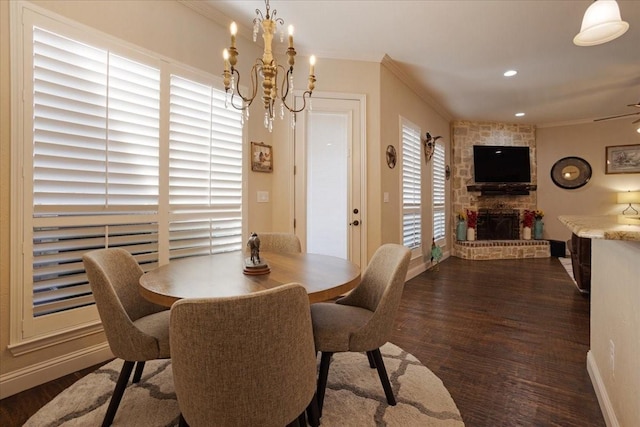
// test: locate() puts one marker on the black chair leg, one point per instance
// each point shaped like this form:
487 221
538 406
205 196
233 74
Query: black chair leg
138 373
325 361
182 422
121 385
384 378
372 363
313 413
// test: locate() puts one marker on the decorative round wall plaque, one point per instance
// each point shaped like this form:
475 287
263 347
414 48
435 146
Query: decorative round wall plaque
571 173
391 156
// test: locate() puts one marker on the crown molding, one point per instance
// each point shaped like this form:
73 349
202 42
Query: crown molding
418 89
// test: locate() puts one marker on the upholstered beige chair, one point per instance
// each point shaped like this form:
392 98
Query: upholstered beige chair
279 242
362 321
136 329
246 360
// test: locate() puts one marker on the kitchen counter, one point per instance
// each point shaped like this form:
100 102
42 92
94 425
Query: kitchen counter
609 227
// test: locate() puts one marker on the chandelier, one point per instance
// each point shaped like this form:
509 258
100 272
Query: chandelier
277 82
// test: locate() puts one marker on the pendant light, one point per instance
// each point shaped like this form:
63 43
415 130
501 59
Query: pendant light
601 23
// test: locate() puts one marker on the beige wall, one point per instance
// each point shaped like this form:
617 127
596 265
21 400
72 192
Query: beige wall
598 196
399 100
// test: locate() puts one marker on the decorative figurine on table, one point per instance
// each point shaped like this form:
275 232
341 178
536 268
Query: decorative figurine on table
253 265
254 245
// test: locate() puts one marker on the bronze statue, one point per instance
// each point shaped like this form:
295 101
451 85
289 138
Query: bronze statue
254 245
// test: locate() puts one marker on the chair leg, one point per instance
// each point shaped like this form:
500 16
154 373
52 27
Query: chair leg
312 412
325 361
384 378
182 422
138 373
372 363
121 385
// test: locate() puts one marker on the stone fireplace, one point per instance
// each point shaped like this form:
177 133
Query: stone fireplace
499 228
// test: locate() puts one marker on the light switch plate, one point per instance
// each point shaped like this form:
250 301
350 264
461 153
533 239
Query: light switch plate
263 196
386 197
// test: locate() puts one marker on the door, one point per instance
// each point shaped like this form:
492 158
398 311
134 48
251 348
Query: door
328 182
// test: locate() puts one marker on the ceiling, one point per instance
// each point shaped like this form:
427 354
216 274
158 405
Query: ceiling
457 52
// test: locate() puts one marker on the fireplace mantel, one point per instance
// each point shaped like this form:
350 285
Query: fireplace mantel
503 189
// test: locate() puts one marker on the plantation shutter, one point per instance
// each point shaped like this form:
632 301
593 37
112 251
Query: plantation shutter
438 159
411 187
95 152
205 169
96 127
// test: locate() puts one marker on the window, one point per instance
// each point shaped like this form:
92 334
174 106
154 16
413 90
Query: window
411 187
439 224
125 150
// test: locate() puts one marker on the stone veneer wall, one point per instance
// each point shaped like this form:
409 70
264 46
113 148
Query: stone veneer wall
466 134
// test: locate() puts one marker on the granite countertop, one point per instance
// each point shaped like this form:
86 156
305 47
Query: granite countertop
610 227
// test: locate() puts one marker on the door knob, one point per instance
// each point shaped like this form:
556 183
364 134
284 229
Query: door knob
356 222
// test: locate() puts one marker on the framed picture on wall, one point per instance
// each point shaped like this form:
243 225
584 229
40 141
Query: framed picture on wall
261 157
622 159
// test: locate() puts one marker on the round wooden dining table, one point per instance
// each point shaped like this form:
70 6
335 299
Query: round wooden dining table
221 275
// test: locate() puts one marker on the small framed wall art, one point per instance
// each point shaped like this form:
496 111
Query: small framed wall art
261 157
622 159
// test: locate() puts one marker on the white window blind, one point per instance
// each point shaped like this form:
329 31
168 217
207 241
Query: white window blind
439 198
205 171
96 128
95 151
411 186
97 176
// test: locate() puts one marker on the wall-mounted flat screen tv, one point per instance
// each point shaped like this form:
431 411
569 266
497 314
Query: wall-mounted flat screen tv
492 163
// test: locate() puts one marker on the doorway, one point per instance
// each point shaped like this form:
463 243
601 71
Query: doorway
329 188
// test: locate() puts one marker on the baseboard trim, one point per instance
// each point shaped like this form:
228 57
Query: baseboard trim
40 373
601 392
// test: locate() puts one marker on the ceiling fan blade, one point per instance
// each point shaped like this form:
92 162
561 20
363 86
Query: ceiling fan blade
615 117
637 105
635 121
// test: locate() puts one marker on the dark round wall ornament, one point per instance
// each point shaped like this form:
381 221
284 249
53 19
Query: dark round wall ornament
571 172
391 156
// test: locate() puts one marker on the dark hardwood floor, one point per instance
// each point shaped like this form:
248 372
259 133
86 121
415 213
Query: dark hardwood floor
508 338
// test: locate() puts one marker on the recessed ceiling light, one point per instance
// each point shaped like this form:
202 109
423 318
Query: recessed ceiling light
510 73
519 114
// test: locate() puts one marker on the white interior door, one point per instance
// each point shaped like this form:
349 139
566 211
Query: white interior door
328 183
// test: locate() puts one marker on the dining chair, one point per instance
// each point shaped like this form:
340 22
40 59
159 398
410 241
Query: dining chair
245 360
362 320
136 329
279 242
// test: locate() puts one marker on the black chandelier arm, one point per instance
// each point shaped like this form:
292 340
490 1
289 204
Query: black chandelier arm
306 95
246 101
284 87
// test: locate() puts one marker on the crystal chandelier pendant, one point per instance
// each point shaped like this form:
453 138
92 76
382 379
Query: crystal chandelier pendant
293 120
281 111
266 119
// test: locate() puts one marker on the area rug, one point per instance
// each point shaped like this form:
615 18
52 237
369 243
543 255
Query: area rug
354 396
